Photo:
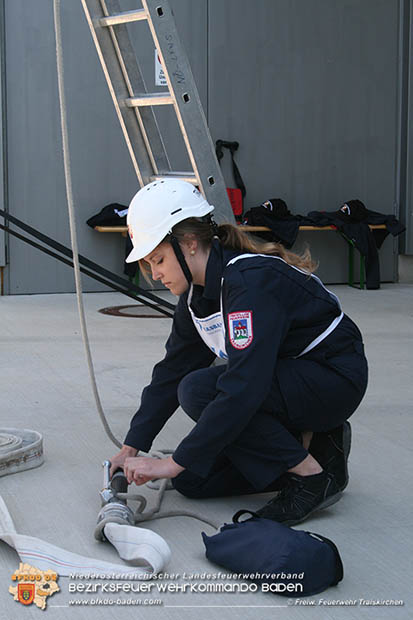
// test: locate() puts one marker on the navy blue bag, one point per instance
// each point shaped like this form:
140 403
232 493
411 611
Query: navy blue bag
282 560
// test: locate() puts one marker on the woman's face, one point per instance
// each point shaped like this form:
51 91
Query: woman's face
165 267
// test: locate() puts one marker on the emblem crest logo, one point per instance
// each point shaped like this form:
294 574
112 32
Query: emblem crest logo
33 585
25 593
240 329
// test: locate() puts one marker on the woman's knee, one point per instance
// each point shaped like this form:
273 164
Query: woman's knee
187 396
197 389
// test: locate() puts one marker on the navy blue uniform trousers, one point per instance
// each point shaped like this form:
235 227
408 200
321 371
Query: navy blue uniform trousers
316 392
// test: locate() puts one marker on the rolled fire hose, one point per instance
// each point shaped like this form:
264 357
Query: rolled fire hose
147 556
146 551
20 449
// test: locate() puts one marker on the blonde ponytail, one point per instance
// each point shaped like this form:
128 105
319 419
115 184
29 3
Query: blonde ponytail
234 238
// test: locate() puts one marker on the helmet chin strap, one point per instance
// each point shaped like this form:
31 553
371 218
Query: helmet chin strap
181 258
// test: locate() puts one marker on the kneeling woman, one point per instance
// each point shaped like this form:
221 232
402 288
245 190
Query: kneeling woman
273 415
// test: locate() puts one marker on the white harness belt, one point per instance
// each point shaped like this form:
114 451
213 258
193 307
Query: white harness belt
212 328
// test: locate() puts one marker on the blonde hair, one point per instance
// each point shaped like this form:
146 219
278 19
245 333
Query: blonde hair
232 237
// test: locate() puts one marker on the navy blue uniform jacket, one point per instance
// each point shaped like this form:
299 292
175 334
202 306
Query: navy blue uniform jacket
289 310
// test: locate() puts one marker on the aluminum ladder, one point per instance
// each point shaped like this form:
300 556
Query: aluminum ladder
134 105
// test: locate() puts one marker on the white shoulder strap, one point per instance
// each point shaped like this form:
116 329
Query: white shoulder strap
335 321
306 273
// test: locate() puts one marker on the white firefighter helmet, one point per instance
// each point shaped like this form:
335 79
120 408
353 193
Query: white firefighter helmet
155 210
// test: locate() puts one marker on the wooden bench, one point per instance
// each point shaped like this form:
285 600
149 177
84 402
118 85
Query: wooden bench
351 246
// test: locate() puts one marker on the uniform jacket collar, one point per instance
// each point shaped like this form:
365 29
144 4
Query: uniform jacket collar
218 259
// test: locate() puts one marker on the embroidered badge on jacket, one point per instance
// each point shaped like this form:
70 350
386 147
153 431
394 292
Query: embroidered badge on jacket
240 329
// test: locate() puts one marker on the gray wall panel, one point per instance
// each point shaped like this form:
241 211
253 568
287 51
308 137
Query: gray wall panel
309 88
100 165
101 169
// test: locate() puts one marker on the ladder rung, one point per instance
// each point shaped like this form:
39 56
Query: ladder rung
123 18
149 99
189 177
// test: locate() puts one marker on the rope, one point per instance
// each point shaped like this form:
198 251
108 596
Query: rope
139 516
72 222
154 513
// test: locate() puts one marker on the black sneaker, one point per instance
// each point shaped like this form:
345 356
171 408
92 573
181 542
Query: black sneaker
301 497
331 450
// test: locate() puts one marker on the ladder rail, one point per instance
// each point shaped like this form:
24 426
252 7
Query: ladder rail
133 125
152 14
181 85
135 82
134 104
112 93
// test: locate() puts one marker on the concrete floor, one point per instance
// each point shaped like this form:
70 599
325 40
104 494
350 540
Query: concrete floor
44 385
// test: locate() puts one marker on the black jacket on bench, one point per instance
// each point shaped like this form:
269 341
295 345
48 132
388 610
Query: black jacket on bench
274 214
354 224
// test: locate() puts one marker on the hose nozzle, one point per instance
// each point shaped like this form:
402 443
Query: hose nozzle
106 493
114 509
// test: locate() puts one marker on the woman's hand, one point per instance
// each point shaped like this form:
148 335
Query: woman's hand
141 469
118 460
